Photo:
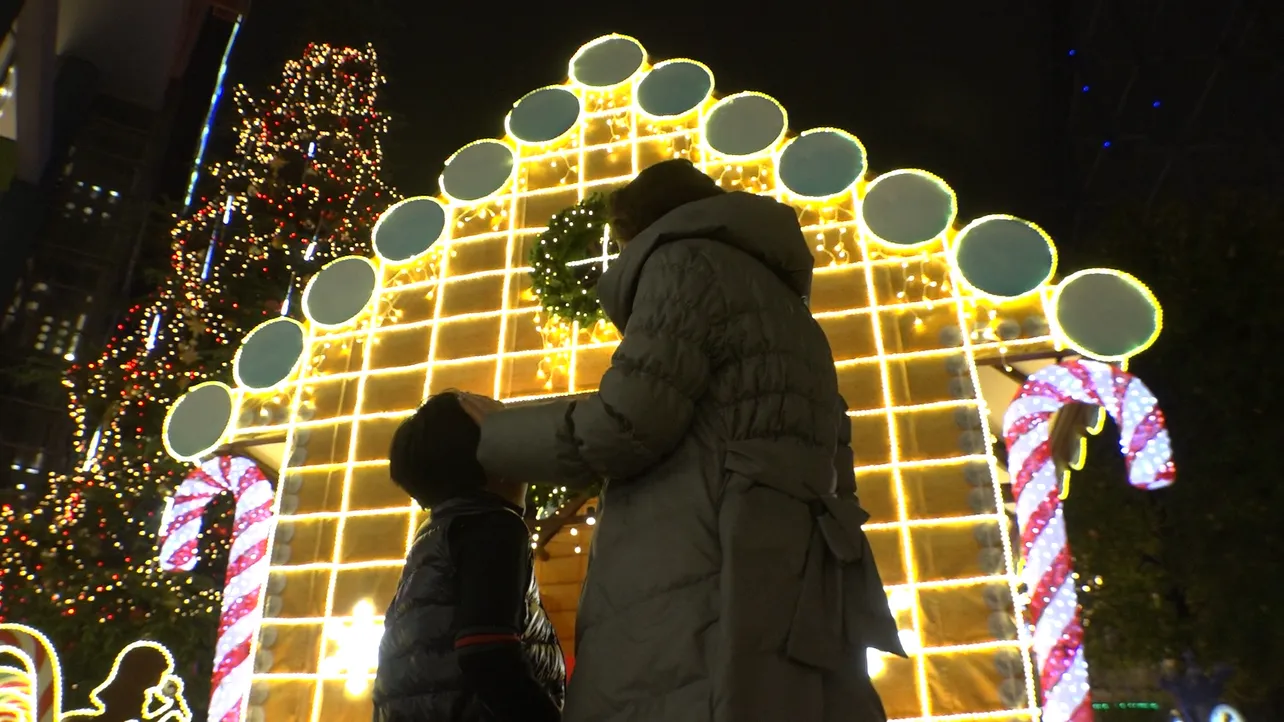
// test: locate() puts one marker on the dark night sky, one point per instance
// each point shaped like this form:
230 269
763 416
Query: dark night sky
969 94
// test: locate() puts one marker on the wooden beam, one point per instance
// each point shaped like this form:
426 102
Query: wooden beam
246 449
1068 428
565 514
1013 374
1009 359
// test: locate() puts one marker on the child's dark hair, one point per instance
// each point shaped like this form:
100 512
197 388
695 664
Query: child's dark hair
655 191
434 453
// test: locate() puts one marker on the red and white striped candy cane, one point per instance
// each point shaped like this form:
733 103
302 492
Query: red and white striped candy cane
247 569
1045 553
35 649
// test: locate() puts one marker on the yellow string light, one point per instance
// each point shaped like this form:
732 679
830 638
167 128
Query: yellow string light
254 216
497 341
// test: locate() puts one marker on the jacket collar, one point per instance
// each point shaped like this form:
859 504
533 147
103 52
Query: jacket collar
759 226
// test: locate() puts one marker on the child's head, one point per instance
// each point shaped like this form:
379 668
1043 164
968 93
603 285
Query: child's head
434 453
656 191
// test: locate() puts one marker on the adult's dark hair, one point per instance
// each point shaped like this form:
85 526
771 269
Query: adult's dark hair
434 453
654 192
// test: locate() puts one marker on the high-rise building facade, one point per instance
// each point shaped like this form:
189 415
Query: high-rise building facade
90 93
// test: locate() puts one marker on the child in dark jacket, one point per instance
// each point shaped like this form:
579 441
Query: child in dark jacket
466 638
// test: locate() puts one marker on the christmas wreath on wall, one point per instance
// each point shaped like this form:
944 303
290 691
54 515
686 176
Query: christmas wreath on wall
564 276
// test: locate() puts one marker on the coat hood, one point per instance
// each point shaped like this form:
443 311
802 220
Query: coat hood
760 226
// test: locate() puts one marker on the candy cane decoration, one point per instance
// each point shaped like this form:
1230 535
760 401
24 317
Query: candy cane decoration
1046 572
247 569
32 693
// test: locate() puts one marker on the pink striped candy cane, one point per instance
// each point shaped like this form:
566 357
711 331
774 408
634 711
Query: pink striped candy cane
36 647
1046 570
247 569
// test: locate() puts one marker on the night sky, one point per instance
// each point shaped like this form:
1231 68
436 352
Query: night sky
1058 112
970 95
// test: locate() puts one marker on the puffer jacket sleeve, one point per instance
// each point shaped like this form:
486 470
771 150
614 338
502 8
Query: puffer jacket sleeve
647 397
844 459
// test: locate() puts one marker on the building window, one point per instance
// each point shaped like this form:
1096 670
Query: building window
62 339
31 463
42 339
75 339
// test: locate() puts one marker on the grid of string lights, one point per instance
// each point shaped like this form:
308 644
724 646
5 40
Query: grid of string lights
908 310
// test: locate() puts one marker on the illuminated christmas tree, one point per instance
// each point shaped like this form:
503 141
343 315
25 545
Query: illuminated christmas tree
301 189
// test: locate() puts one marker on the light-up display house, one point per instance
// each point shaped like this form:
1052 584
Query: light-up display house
933 320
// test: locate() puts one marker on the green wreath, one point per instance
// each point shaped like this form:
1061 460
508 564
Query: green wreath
575 234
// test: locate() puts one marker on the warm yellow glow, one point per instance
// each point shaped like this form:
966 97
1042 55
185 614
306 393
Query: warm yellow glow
695 109
892 246
593 44
1225 713
1063 339
39 678
961 237
875 663
228 429
428 248
766 152
441 180
236 359
508 122
464 318
39 675
310 288
356 648
817 199
163 701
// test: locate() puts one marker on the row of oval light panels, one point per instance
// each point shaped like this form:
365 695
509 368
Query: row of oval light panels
818 164
1100 313
997 257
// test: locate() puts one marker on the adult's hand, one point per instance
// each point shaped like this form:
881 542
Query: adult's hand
478 407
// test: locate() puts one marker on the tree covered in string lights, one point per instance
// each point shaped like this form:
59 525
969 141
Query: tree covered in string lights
301 188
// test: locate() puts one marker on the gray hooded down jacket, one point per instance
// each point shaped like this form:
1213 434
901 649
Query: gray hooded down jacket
729 579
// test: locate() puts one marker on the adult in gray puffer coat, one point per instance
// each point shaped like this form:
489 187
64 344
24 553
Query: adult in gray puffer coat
729 579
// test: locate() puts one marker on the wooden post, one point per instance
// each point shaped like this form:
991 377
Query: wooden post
565 514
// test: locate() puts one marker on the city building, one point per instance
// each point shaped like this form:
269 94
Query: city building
90 94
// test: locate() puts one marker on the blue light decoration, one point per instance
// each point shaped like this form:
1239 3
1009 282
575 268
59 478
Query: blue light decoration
209 116
154 331
1198 693
311 252
1155 104
209 260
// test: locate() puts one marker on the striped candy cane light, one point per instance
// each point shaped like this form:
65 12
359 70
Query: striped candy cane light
247 569
1046 571
32 692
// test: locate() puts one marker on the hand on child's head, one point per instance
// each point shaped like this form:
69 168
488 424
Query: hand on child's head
478 407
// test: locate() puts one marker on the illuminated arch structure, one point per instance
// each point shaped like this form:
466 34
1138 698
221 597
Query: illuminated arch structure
932 322
141 686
